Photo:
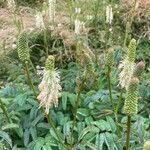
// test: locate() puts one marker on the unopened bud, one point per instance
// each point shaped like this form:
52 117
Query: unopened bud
139 69
23 49
131 50
50 63
131 101
109 57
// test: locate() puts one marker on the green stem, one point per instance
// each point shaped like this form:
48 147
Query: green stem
33 67
49 118
29 79
118 105
75 113
109 86
45 42
50 121
4 111
128 133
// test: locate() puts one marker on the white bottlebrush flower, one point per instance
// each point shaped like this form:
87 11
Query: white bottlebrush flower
39 21
49 89
89 17
11 5
109 14
51 7
79 26
77 10
127 68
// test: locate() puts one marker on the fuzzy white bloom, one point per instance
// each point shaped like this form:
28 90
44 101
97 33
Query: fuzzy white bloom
126 73
49 90
79 26
51 7
11 5
14 46
89 17
39 21
109 14
77 10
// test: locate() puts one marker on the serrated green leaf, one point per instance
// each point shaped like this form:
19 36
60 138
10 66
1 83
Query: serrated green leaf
19 131
66 129
111 123
49 139
6 137
21 99
89 137
10 126
109 141
33 133
88 120
26 137
25 107
72 99
92 129
32 112
83 112
102 125
91 146
64 100
37 119
47 146
43 125
101 142
39 144
80 127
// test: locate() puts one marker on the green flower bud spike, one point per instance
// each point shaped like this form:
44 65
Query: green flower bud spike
23 49
50 63
139 69
131 50
131 101
109 57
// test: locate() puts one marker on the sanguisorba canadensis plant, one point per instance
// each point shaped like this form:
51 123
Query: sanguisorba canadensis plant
130 106
50 86
127 66
129 80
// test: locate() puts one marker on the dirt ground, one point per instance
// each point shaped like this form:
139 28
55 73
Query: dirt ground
7 27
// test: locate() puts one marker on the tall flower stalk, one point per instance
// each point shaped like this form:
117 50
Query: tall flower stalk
130 106
50 86
52 10
109 64
128 78
48 94
79 90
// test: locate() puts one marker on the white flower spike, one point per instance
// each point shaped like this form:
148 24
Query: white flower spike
50 86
